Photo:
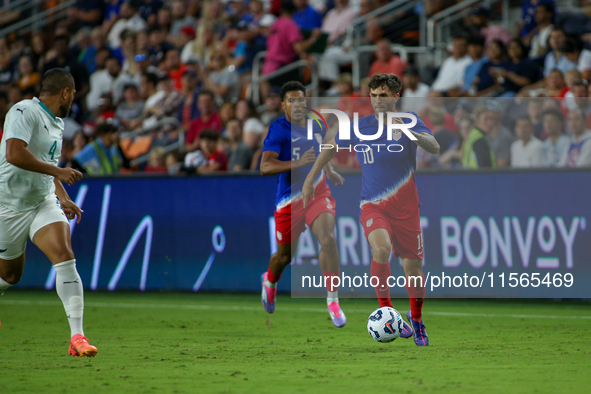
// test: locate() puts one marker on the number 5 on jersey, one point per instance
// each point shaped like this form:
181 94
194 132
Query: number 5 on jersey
295 155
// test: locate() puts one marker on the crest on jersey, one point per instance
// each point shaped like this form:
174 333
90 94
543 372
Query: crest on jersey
279 236
396 134
369 223
318 137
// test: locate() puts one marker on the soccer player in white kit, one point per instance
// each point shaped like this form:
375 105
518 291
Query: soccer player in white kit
33 201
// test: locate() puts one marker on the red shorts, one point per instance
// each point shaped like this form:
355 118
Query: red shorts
291 220
405 234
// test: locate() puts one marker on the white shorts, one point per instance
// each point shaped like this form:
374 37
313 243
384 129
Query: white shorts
16 226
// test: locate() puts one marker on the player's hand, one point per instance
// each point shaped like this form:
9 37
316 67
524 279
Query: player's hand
69 176
71 210
307 158
335 178
308 191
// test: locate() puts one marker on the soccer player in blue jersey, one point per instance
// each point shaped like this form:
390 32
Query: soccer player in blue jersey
288 154
389 199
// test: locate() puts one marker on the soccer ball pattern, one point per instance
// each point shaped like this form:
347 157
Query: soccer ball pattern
384 324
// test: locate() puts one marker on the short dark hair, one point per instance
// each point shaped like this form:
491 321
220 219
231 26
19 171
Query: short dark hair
3 95
392 81
151 78
111 57
209 135
56 80
105 48
477 40
524 117
105 128
554 112
62 37
206 92
291 86
521 45
288 7
570 45
548 6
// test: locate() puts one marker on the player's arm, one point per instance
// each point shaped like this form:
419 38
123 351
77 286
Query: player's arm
271 165
68 206
326 154
19 156
426 141
334 176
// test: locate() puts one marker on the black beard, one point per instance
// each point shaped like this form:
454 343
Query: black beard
64 111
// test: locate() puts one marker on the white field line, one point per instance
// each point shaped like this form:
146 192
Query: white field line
257 308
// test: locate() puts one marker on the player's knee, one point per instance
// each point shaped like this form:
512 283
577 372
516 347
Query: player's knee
381 254
12 277
64 255
327 240
284 259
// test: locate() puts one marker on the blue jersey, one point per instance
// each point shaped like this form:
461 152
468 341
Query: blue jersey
290 142
388 167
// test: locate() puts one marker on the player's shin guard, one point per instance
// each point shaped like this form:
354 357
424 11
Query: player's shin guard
332 287
416 294
69 288
382 271
4 286
271 277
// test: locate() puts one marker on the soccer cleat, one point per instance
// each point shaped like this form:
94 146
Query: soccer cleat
268 295
79 347
406 331
337 315
421 338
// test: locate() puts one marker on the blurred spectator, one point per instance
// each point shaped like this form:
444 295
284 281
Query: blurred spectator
86 13
129 19
102 156
452 69
486 83
222 80
544 17
478 19
106 109
534 113
112 11
27 75
477 152
208 118
157 161
387 62
556 84
37 51
4 107
414 92
7 72
172 163
346 103
188 109
79 141
436 101
476 53
499 138
557 143
240 154
555 58
246 113
208 159
337 20
151 96
575 53
164 18
527 26
131 109
109 80
442 134
453 156
66 155
247 48
180 19
516 72
174 67
202 46
127 51
577 97
186 35
143 64
273 110
158 44
78 71
578 154
227 112
102 55
86 51
149 10
526 151
306 17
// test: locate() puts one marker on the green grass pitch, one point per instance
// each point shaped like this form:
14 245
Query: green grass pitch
219 343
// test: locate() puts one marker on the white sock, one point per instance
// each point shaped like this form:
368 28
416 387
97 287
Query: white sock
69 288
269 284
4 286
333 296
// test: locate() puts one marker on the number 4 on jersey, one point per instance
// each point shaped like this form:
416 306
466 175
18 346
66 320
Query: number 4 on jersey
52 150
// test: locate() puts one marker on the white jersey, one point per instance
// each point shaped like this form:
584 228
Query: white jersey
32 122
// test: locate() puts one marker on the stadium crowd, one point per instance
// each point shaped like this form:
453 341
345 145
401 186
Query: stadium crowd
182 70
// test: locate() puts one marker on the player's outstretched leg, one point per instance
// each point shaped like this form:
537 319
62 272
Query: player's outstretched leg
54 241
415 286
269 279
323 228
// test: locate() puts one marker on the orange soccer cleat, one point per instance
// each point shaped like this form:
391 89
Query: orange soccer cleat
80 347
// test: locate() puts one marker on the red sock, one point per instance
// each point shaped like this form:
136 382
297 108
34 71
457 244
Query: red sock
416 295
329 281
382 271
271 277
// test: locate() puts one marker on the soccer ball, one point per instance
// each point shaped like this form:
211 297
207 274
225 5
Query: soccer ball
384 324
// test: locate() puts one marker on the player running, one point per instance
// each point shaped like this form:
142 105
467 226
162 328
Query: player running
289 154
389 199
31 181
